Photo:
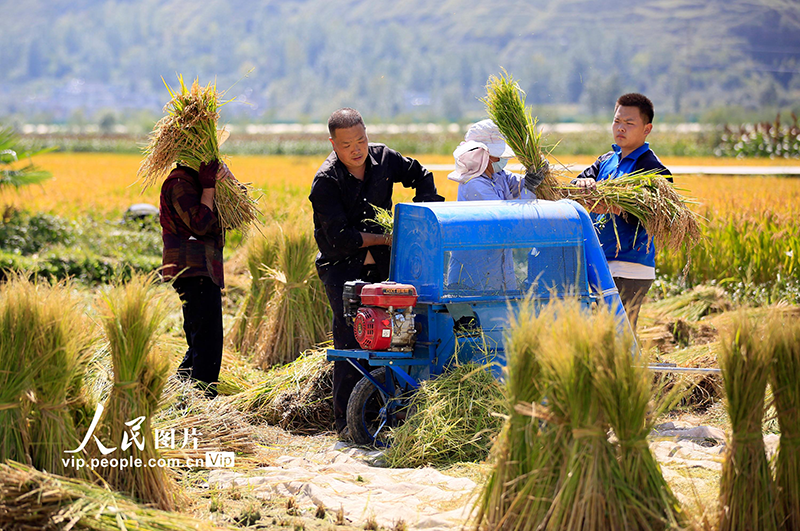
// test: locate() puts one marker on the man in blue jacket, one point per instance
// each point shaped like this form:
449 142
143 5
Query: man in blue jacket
631 259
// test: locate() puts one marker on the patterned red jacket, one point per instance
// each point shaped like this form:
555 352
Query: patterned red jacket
190 230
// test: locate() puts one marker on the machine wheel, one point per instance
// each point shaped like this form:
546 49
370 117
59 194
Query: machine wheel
367 412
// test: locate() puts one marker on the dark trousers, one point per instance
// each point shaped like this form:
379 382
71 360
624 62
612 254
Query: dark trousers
345 376
202 324
632 292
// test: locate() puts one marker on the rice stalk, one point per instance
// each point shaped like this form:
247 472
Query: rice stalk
505 104
30 499
786 389
746 497
625 390
17 367
44 350
217 426
692 306
62 345
588 494
298 315
188 135
454 420
132 315
383 218
296 396
261 253
520 481
654 201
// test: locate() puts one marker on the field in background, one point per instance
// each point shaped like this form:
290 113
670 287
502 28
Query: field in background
105 185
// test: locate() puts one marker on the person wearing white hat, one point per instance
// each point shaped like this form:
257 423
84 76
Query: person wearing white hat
480 171
480 166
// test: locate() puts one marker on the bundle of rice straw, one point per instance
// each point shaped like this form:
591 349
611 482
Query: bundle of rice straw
296 396
35 500
44 350
522 482
746 494
454 420
250 319
188 135
560 470
786 391
651 198
505 104
298 317
626 392
132 316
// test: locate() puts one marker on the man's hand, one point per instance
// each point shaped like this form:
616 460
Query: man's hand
586 182
208 174
368 239
604 208
224 172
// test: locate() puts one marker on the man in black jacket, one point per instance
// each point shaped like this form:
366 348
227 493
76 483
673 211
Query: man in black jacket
354 177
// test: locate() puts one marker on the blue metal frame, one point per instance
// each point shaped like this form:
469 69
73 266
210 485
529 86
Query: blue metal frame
424 232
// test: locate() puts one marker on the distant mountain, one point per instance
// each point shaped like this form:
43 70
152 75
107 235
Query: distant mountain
409 59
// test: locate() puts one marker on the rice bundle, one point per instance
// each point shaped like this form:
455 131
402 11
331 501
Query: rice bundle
298 316
44 348
453 420
651 198
625 390
296 396
35 500
522 480
188 135
261 253
786 390
132 315
17 366
746 497
561 470
505 104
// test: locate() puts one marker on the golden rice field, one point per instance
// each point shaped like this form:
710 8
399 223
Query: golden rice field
105 184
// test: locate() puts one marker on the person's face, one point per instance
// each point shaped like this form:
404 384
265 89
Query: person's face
629 128
351 146
488 170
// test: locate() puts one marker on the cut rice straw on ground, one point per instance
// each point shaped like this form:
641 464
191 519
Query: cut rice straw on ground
454 420
35 500
132 315
700 301
296 396
786 390
505 104
746 497
651 199
188 135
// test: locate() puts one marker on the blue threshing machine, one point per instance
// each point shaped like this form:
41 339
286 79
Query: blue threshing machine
457 271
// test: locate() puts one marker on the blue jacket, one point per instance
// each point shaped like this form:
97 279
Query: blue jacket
633 238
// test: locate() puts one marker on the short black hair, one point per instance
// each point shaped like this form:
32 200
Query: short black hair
634 99
344 118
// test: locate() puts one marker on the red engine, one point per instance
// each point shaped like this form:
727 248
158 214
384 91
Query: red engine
386 319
